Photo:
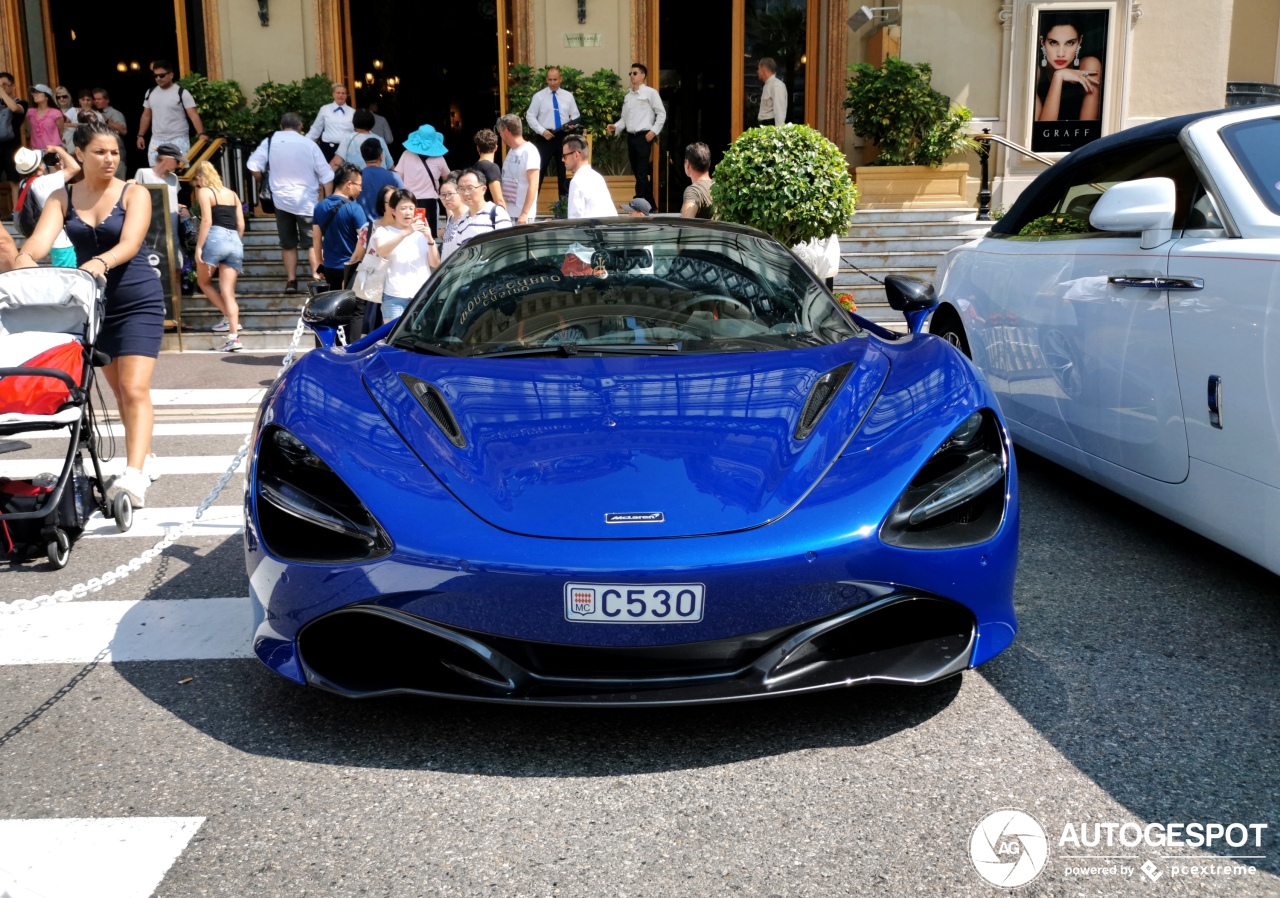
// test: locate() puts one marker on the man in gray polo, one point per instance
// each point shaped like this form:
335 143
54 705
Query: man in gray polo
299 177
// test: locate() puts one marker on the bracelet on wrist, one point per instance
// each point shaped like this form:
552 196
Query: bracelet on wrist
105 267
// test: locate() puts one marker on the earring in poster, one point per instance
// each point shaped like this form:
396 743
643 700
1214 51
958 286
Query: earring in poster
1044 58
1076 63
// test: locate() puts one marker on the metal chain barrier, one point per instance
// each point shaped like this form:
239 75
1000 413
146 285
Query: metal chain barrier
172 534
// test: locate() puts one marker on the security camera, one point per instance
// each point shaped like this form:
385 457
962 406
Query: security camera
865 14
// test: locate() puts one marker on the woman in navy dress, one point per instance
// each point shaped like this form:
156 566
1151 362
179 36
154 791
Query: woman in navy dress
107 221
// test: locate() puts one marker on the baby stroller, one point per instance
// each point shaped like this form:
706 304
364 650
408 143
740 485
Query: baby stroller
49 319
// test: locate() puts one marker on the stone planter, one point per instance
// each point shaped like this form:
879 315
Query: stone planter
912 186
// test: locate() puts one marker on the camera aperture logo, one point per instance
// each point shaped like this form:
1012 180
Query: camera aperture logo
1009 848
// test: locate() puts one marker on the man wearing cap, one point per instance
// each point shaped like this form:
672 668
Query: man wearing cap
299 176
422 168
333 123
588 193
169 159
166 110
40 185
638 207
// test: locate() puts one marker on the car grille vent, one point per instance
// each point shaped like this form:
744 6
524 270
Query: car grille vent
431 400
820 399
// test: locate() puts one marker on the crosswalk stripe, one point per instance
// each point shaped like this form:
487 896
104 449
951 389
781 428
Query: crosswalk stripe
243 396
218 520
177 464
151 630
110 857
192 429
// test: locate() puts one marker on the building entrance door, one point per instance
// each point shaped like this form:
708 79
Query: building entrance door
429 65
696 84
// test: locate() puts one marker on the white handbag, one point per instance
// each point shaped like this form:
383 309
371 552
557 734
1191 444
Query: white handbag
371 278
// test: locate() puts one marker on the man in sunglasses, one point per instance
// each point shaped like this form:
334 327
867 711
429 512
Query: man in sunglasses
166 110
643 116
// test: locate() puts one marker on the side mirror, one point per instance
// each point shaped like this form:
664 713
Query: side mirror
1145 205
324 313
912 297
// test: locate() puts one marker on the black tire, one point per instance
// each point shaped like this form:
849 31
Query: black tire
59 550
122 511
947 326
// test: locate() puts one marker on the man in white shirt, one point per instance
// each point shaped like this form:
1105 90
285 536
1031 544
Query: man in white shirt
166 110
299 176
333 123
643 116
549 111
482 216
520 171
588 193
773 98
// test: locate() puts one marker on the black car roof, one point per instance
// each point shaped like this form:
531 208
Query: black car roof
666 221
1049 181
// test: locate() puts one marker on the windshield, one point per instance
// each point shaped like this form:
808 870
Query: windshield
1254 146
622 288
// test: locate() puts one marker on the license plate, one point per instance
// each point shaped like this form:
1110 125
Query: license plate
633 603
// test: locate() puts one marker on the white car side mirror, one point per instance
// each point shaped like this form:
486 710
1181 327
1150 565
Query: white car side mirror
1145 205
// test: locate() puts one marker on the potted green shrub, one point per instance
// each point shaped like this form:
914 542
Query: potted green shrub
916 130
790 182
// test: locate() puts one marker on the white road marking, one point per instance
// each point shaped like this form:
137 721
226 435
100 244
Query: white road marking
193 429
155 630
110 857
23 468
218 520
243 396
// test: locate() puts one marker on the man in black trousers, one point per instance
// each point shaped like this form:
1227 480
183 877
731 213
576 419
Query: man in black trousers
643 116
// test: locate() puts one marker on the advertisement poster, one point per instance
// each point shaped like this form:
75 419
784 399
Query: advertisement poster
1070 72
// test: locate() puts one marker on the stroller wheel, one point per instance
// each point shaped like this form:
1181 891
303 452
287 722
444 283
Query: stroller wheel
122 511
59 549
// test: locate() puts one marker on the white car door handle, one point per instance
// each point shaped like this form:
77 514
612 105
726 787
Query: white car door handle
1152 283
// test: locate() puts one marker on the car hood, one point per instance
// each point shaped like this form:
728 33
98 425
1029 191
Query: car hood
626 447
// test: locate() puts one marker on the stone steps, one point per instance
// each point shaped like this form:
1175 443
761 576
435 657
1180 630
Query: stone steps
907 242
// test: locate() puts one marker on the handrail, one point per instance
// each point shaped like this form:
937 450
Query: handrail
984 156
203 151
987 135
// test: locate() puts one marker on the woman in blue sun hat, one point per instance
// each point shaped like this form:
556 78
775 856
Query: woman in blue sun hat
422 168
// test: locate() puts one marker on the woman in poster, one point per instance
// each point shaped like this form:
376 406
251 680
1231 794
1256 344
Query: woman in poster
1069 87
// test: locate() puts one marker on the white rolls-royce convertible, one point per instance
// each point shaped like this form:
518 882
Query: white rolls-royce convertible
1126 312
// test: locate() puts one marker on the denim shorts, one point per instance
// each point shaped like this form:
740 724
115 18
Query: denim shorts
223 247
393 307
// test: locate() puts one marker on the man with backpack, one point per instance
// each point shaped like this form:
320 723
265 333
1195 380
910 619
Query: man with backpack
166 110
35 191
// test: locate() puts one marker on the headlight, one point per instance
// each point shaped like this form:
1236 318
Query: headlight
957 498
305 511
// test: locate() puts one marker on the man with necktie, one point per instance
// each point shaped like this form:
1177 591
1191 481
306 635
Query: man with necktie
550 110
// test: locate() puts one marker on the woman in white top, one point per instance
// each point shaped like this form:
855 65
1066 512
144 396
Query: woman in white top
411 252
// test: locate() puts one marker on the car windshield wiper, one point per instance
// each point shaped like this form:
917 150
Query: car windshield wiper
575 349
416 344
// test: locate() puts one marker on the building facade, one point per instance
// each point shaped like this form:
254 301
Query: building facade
447 64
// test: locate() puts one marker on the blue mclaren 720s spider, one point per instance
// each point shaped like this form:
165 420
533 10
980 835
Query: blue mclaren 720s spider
629 462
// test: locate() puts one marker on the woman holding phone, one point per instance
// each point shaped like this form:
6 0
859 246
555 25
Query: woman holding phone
411 253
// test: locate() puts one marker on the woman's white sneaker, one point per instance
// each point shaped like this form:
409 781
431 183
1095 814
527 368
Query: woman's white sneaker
222 326
133 482
232 345
149 467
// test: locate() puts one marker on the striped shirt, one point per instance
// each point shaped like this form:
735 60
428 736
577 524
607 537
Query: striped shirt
491 218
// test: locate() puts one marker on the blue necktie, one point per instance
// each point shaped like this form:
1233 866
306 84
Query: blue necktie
341 111
555 107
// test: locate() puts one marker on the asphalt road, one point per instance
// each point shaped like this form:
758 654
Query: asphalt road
1143 687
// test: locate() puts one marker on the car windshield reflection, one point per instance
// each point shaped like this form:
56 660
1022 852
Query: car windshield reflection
653 289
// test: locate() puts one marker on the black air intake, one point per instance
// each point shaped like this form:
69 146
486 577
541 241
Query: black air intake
438 410
824 390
